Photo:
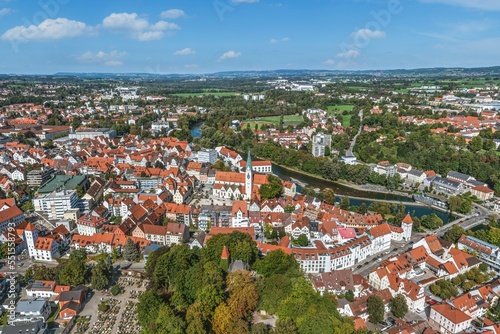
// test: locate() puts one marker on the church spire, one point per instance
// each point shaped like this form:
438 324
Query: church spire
249 161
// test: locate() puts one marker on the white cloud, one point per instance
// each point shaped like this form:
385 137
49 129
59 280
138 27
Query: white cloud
273 41
5 11
109 59
50 29
172 14
285 39
113 63
367 33
329 62
137 27
244 1
493 5
184 52
191 66
229 55
349 54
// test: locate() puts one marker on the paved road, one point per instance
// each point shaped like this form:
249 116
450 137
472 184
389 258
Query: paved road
351 147
466 222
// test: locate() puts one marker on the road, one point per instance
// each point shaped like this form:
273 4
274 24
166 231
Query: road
466 222
351 147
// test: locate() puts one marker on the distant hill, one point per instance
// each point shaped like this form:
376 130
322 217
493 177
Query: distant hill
438 71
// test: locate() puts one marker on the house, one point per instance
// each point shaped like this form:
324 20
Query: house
31 310
41 289
381 237
482 193
10 216
36 327
239 214
448 319
71 302
338 282
90 225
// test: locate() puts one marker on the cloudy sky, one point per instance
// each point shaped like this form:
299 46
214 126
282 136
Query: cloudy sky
203 36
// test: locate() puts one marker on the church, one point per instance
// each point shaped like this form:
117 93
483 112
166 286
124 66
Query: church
235 185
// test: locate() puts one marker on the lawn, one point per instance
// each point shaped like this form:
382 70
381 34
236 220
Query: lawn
217 94
338 109
289 120
252 124
346 120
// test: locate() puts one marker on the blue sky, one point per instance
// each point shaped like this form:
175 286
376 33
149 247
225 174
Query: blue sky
204 36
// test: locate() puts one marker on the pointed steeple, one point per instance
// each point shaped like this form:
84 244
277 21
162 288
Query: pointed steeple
407 219
249 161
225 253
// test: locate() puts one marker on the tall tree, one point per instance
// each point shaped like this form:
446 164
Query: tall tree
130 251
398 306
345 203
375 309
329 196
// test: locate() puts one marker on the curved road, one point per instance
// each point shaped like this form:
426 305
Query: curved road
353 142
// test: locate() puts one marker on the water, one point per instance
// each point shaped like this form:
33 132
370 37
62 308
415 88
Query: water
342 189
196 131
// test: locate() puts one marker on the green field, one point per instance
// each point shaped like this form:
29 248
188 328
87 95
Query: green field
346 120
338 109
217 94
288 120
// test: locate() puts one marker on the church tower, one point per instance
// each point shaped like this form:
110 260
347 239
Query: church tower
249 178
407 225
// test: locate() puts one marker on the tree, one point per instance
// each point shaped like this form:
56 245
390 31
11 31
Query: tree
398 306
329 196
259 328
301 241
278 263
476 144
168 322
454 233
431 221
484 267
28 206
100 276
375 309
130 251
455 203
115 290
345 203
271 190
79 191
285 326
349 295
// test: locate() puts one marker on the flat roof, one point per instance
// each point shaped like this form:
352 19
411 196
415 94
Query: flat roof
68 181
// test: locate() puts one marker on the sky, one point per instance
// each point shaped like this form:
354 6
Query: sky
206 36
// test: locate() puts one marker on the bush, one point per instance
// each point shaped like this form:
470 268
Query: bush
103 307
115 289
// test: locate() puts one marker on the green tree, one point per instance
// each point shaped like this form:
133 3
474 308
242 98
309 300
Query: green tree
79 191
375 309
278 263
398 306
431 221
329 196
301 241
168 322
454 233
455 203
148 307
259 328
271 190
28 206
130 251
476 144
285 326
101 275
345 203
349 295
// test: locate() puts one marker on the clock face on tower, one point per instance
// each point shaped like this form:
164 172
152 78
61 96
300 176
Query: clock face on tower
248 176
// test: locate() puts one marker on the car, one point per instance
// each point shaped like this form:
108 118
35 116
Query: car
394 249
359 266
20 264
432 302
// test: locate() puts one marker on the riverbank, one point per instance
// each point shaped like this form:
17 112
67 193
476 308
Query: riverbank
362 188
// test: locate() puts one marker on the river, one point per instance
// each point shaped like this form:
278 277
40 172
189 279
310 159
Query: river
341 189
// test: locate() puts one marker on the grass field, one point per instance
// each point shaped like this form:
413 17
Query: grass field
338 109
346 120
289 120
217 94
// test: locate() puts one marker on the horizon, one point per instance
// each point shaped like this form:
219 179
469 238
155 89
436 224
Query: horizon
246 35
250 71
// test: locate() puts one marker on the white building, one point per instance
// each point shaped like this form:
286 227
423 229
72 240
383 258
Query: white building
207 156
319 144
91 133
448 319
55 204
158 126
